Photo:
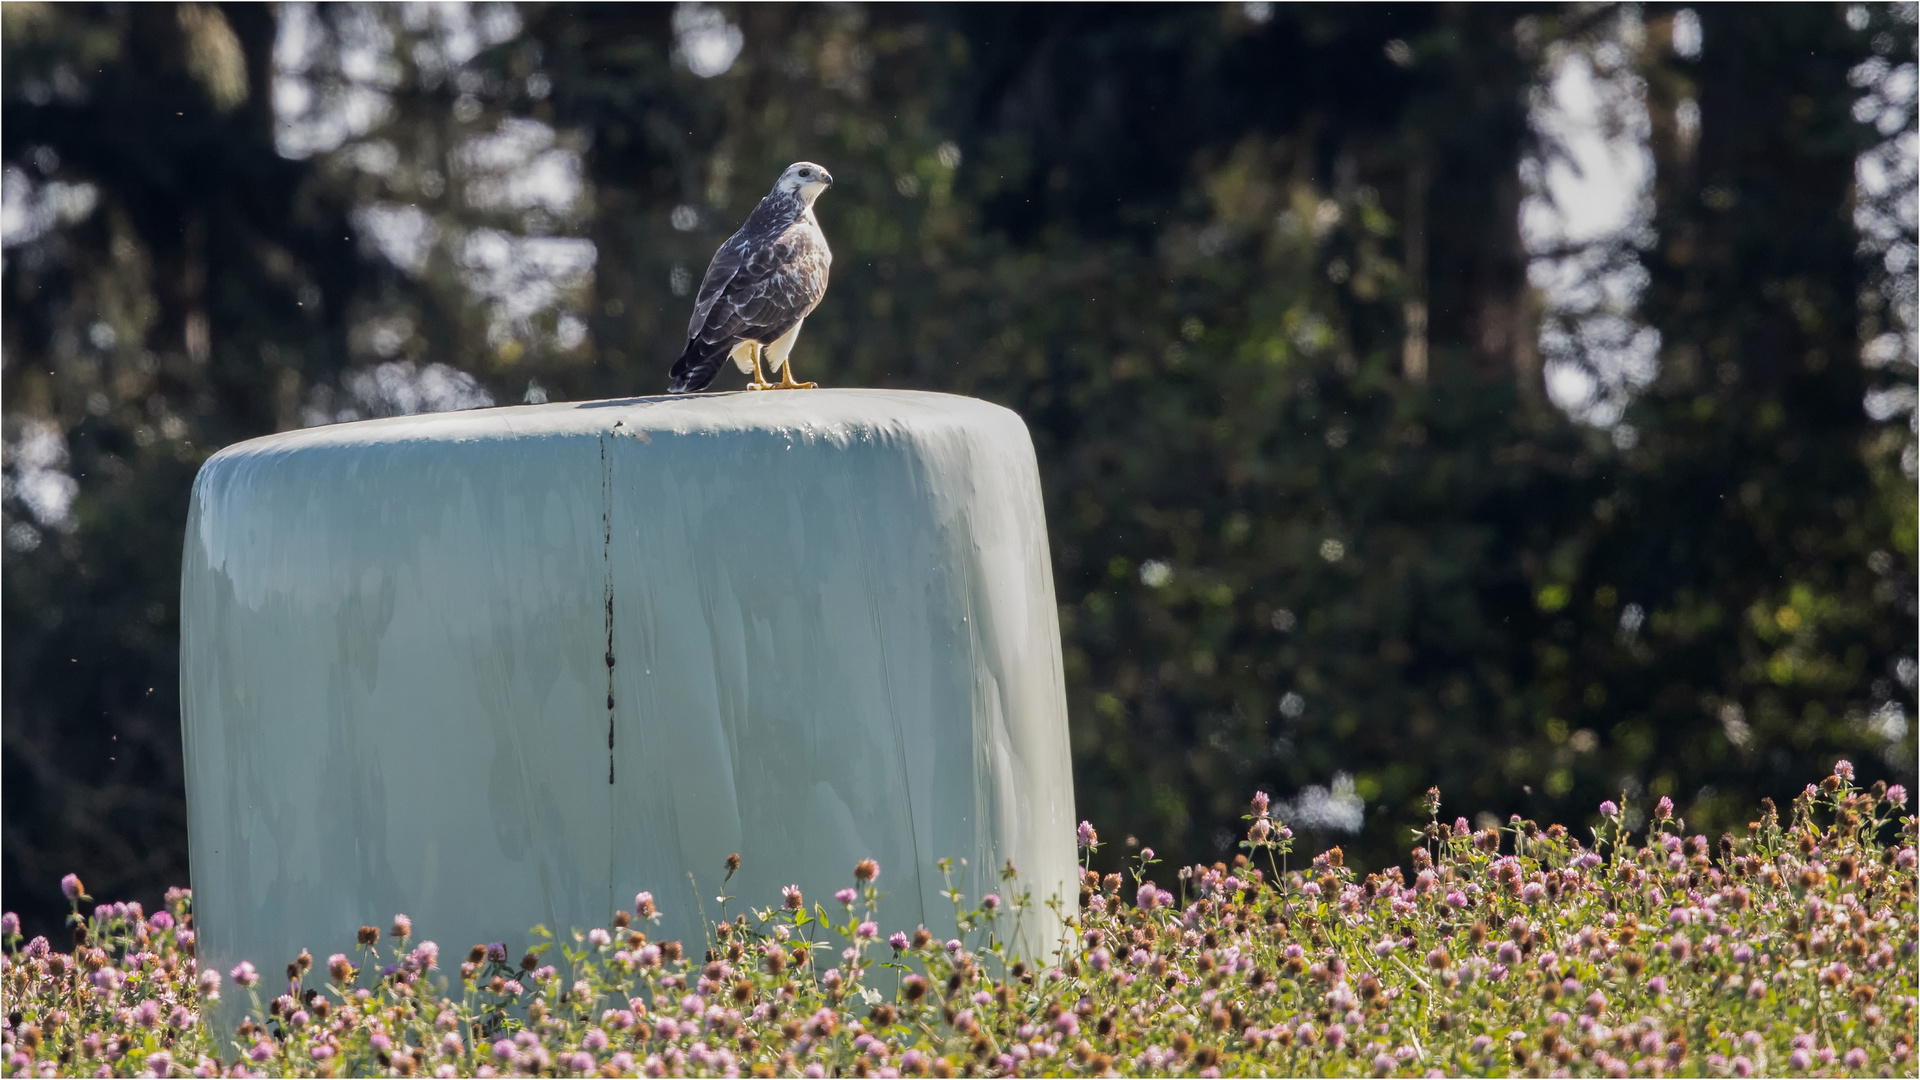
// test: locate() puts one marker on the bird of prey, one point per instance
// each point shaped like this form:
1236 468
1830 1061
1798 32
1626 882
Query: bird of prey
762 284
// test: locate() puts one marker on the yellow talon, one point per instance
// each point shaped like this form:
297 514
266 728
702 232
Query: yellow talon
786 378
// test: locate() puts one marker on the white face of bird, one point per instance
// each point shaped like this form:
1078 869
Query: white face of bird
805 179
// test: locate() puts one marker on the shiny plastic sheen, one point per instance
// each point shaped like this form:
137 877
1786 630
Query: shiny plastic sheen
511 666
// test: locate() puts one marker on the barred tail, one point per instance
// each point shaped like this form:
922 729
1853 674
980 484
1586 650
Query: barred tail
697 366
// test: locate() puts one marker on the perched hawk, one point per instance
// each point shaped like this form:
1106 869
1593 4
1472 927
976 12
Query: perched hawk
762 284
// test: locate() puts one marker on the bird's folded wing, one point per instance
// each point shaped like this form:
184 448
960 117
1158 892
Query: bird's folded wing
720 273
773 287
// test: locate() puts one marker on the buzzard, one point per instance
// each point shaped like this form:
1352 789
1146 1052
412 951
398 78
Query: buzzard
762 284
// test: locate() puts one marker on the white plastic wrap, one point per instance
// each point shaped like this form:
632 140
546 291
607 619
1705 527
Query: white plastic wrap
511 666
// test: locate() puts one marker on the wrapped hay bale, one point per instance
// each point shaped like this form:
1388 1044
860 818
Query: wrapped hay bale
514 666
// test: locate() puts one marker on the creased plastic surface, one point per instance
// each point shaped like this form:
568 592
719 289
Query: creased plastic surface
832 635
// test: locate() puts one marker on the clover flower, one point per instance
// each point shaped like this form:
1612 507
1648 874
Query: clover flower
1616 935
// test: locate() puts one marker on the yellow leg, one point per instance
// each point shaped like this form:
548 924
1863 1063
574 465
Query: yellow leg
786 378
759 379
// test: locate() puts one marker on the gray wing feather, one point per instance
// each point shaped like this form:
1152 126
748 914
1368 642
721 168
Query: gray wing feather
759 286
720 273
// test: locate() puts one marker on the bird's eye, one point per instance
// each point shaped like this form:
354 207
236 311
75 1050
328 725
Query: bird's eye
806 172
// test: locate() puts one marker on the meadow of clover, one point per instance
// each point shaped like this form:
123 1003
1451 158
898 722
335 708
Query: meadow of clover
1525 949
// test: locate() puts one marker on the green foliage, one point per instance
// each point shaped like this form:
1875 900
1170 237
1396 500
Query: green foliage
1512 947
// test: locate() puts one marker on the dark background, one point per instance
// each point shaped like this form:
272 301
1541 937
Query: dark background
1254 275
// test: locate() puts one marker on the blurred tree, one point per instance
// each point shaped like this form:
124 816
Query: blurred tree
172 285
1758 630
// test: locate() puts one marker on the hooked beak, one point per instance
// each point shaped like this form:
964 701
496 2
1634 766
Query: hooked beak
826 177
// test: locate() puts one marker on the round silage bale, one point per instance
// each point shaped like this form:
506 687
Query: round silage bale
512 666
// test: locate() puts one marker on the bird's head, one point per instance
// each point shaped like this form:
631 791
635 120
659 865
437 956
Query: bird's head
805 179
